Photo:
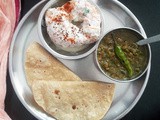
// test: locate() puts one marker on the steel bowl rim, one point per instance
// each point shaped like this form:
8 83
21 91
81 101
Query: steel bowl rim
55 53
148 61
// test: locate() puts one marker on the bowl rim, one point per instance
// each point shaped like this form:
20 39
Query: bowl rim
148 60
57 54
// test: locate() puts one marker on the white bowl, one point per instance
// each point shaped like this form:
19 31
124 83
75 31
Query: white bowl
57 51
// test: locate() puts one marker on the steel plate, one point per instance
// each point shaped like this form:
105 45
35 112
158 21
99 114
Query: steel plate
116 15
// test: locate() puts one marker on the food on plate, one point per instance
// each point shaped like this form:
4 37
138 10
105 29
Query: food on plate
60 92
120 57
74 25
40 65
74 100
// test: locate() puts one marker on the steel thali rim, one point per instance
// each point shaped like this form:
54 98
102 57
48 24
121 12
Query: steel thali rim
12 50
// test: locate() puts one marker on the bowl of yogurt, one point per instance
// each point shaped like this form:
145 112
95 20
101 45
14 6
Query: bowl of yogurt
70 29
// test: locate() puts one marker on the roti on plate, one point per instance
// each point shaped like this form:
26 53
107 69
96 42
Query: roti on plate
41 65
74 100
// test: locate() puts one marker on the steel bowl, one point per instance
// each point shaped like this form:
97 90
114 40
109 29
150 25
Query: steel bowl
138 36
51 47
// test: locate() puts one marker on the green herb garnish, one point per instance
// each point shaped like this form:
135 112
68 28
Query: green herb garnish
86 11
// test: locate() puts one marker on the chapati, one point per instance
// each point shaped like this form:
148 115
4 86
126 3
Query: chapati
74 100
41 65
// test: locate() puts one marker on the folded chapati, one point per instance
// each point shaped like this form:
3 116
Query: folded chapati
40 65
74 100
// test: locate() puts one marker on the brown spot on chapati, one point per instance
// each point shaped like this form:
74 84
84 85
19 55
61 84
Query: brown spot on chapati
57 92
74 107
